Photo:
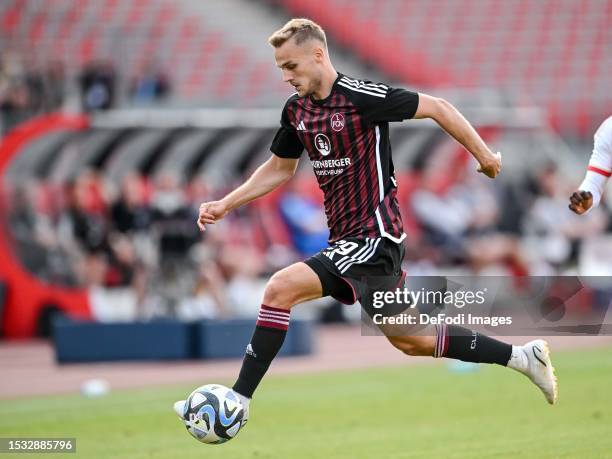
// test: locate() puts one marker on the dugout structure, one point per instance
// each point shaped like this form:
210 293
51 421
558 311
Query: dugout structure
220 147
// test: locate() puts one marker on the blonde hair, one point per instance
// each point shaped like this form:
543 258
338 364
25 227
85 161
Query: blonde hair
299 28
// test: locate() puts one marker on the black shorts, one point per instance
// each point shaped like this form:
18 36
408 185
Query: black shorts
352 268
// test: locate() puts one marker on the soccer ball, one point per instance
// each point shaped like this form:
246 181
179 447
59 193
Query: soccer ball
213 414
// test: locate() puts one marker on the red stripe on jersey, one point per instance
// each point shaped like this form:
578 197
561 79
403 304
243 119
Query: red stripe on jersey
599 171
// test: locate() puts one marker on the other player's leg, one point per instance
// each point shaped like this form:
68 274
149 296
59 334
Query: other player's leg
531 359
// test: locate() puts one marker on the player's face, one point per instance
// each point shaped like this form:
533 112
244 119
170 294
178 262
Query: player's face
301 65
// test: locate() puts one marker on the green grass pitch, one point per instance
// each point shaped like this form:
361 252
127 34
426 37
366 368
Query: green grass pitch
412 412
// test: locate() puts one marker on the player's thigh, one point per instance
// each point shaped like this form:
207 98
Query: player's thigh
292 285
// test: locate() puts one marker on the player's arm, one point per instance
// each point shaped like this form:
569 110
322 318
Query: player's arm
600 169
453 122
270 175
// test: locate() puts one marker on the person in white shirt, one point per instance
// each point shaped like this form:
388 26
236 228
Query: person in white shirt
599 170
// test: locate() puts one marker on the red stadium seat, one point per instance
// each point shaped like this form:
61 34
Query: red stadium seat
10 20
535 49
517 46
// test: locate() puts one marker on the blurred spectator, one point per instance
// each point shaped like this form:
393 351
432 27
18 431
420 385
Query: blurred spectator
15 105
54 81
199 191
98 86
35 89
35 237
174 223
84 230
107 261
459 214
305 219
242 266
150 85
122 262
173 218
208 297
131 213
84 220
25 91
133 252
553 233
14 95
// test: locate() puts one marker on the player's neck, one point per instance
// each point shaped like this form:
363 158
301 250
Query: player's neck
327 83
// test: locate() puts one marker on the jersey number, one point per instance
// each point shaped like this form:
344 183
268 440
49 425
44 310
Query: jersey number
342 248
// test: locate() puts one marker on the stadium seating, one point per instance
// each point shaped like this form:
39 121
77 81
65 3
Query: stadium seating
196 43
551 52
554 53
181 37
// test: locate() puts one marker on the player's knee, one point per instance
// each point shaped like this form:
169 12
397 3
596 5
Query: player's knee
412 345
278 292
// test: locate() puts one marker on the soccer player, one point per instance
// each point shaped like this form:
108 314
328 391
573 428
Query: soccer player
343 123
599 170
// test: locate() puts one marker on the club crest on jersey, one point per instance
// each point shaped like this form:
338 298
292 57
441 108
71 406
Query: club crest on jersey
322 144
337 122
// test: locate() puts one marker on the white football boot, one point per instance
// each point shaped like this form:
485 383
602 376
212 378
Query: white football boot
533 360
179 408
245 404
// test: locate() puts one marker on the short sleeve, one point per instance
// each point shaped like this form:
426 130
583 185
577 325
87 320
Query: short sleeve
397 105
286 142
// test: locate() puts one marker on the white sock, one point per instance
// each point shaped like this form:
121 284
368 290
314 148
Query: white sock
518 360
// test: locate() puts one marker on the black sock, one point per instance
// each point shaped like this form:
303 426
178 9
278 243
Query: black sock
467 345
268 337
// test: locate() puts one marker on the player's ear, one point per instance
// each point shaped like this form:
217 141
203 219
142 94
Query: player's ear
319 54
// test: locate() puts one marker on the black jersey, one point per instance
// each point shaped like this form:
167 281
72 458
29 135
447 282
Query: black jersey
346 136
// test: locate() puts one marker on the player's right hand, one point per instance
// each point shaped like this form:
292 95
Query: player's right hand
210 212
581 201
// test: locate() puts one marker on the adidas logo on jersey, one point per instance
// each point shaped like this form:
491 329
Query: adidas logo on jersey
301 126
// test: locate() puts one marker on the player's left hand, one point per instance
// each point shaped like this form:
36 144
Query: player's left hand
491 165
581 201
